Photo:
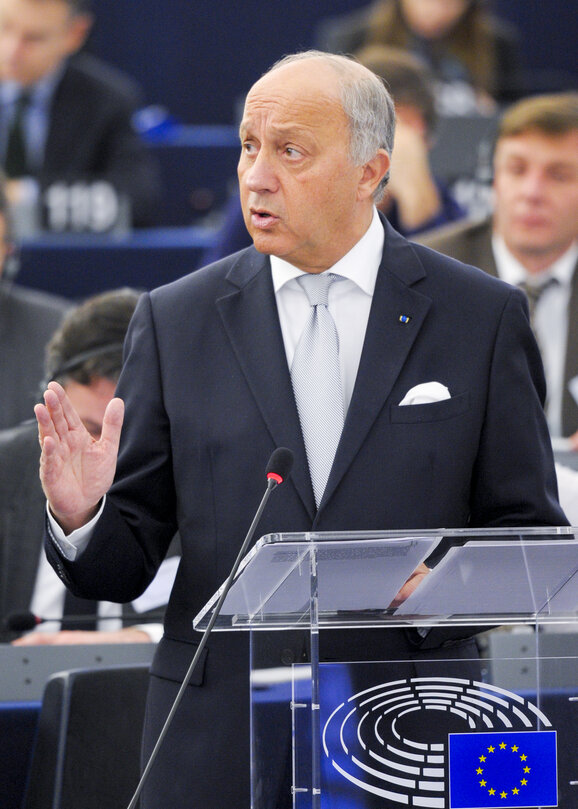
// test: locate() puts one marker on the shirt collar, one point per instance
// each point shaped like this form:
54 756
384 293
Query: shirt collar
360 264
40 92
512 271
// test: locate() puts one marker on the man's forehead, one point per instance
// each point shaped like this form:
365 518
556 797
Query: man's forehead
284 106
286 112
536 143
301 79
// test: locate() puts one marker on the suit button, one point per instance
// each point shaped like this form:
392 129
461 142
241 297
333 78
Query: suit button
287 657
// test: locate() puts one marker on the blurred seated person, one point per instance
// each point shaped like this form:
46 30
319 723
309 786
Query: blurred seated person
85 356
28 318
475 57
415 200
531 239
67 140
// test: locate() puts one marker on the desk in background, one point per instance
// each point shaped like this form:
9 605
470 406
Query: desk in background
76 266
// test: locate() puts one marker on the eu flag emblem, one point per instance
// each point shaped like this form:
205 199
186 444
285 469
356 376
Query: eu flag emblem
503 769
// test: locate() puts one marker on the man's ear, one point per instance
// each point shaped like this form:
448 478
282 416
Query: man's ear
78 31
372 174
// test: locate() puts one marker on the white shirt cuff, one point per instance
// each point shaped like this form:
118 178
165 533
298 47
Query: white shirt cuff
72 545
154 631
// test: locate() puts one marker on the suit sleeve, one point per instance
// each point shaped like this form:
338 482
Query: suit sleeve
132 536
514 481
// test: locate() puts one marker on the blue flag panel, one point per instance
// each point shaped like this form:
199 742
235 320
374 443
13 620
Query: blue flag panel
503 769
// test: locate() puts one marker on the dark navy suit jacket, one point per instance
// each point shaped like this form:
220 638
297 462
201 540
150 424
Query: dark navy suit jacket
209 397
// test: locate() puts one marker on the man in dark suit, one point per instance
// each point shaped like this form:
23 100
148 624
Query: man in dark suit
532 238
85 355
438 371
66 134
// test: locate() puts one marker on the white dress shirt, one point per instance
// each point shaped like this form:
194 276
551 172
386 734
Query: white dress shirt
349 301
48 601
550 319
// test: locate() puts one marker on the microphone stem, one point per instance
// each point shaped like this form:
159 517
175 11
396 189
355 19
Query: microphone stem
271 484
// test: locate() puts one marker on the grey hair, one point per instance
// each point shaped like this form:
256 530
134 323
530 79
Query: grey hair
367 104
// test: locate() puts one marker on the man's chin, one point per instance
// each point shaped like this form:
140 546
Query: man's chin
265 243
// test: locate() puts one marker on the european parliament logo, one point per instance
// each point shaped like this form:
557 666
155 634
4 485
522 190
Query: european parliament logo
503 769
434 743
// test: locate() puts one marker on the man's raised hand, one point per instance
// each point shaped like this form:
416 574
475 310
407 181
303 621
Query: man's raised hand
76 470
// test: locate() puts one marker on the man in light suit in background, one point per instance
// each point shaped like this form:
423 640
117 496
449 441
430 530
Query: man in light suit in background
438 372
532 238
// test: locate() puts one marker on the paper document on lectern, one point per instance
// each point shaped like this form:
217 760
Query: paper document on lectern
275 577
499 577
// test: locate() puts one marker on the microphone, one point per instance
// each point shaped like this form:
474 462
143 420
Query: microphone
279 466
25 621
277 471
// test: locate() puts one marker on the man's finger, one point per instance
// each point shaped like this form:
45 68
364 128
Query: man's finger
112 423
65 416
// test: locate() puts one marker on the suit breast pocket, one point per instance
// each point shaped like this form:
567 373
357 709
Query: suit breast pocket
433 411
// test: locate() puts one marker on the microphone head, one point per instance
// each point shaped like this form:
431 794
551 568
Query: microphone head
280 464
21 621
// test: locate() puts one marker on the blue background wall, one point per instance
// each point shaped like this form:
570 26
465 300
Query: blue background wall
197 57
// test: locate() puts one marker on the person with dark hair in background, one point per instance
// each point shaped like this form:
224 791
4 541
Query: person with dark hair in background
67 142
474 56
427 369
531 238
28 319
85 357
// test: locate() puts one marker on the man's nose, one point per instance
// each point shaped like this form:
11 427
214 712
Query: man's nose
534 184
261 175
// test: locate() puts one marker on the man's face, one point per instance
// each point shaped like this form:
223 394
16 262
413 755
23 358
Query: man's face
90 401
536 193
35 37
433 18
303 199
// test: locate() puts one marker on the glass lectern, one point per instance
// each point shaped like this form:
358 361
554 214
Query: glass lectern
441 731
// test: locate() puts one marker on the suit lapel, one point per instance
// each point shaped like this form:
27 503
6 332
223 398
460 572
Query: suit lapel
249 315
388 341
569 407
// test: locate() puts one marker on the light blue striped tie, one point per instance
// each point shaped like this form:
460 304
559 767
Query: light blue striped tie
316 379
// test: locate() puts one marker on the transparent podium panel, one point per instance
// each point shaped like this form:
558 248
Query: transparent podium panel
460 693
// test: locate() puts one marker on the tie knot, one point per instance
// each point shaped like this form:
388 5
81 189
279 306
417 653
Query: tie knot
535 291
316 287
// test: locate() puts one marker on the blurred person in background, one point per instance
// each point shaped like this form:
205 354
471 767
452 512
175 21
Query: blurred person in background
85 356
416 200
531 239
28 318
474 56
67 142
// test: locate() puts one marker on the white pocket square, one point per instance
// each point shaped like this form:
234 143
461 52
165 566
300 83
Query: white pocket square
426 393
